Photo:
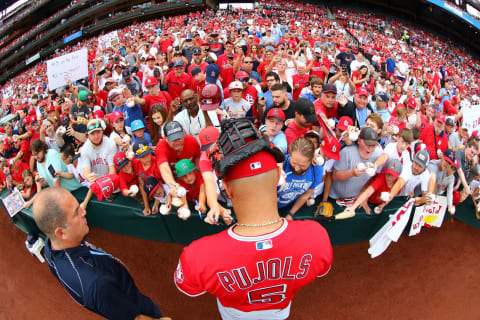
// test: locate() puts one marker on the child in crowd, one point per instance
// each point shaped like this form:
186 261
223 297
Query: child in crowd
28 187
119 133
160 194
67 153
128 178
138 132
236 106
378 190
190 178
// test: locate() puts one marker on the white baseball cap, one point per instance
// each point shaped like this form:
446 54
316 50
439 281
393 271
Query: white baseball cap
235 85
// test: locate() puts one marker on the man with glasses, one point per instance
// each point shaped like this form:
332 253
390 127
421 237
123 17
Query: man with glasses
247 66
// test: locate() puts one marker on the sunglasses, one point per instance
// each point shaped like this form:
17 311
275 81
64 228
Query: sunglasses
141 150
243 80
94 126
247 61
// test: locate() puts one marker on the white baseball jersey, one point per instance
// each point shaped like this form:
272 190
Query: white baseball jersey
255 277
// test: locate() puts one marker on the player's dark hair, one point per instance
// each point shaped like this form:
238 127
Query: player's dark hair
415 132
67 149
279 87
472 143
272 74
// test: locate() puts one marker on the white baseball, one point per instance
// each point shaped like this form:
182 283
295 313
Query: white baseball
331 123
181 192
439 153
354 135
320 161
361 166
452 210
61 130
130 155
177 202
310 202
395 130
134 189
126 139
423 146
184 213
164 210
130 102
385 196
370 172
377 210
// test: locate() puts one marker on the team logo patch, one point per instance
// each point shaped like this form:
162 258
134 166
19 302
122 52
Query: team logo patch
334 149
255 165
179 273
264 245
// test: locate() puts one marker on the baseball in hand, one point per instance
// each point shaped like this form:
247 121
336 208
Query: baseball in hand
181 192
361 166
310 202
452 210
126 139
370 172
320 161
395 130
130 102
439 153
130 155
377 210
164 210
184 213
385 196
177 202
353 135
331 123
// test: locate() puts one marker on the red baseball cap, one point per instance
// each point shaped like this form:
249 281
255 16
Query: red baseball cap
259 163
362 92
150 57
241 75
51 108
476 135
441 118
344 122
412 103
276 113
208 136
114 116
331 148
150 81
99 114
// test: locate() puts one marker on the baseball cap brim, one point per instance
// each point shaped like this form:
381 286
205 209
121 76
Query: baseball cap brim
205 147
311 118
420 163
449 161
143 154
277 117
392 172
331 155
175 136
122 164
371 142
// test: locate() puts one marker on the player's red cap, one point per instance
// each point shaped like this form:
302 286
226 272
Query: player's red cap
257 164
344 122
276 113
331 148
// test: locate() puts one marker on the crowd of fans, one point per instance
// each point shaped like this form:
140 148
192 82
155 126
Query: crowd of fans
363 112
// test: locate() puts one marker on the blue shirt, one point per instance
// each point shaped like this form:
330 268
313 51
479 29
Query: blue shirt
99 282
390 65
362 117
297 185
131 114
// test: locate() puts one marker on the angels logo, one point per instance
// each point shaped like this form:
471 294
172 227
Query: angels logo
179 273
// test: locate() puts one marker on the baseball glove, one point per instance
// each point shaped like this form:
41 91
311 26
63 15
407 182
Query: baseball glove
238 141
324 209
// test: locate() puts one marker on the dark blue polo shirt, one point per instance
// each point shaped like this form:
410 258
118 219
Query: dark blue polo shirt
99 282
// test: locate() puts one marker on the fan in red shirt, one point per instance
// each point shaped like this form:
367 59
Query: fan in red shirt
176 146
154 97
197 61
435 138
225 62
327 103
299 79
178 80
125 172
319 65
304 118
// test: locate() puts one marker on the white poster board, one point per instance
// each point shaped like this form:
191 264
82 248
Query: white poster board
471 118
107 40
431 215
72 66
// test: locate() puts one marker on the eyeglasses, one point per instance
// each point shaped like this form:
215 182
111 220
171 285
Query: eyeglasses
247 61
243 80
141 150
94 126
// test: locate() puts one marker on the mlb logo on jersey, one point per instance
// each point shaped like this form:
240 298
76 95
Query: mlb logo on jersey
255 165
264 245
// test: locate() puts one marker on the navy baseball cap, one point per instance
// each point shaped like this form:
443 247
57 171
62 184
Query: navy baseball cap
382 96
449 156
329 87
126 74
306 108
212 72
179 63
141 148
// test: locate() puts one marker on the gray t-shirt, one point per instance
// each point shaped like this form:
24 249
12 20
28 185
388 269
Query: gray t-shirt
444 182
349 157
454 140
98 159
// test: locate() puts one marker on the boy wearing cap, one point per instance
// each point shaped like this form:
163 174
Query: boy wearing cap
154 97
378 188
444 170
349 173
131 110
274 123
80 112
305 117
160 193
138 132
190 178
236 106
126 174
176 146
145 165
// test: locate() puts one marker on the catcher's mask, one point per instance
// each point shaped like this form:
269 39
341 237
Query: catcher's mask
239 140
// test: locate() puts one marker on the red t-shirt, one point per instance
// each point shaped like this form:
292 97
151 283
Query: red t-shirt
127 180
293 132
428 137
301 84
102 98
226 69
163 98
205 165
25 148
379 185
17 174
193 191
144 173
177 85
329 113
163 152
197 86
202 66
317 68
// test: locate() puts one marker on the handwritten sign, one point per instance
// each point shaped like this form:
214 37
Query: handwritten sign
72 66
107 40
14 203
431 215
471 118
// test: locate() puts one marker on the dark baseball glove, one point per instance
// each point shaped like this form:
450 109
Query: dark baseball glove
238 141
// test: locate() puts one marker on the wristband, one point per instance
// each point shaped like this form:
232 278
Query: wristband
290 214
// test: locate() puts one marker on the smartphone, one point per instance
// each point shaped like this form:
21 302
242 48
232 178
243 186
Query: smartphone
51 170
61 100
